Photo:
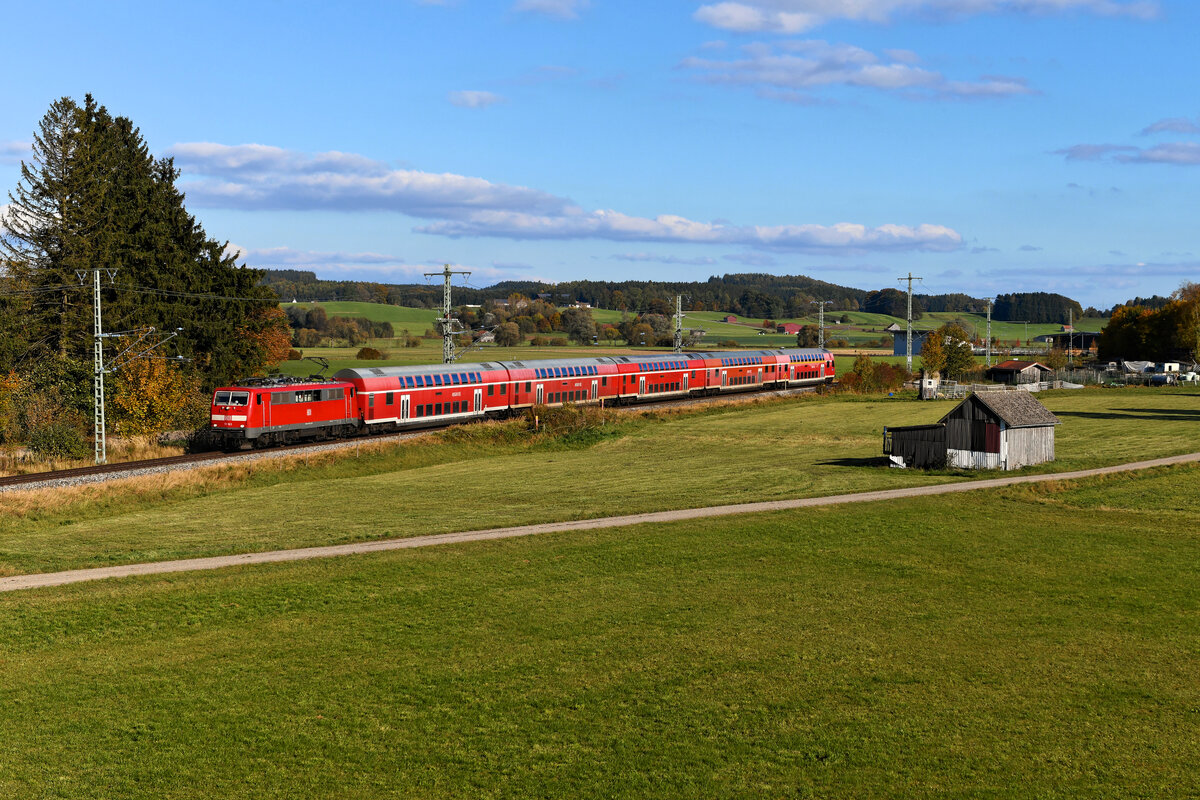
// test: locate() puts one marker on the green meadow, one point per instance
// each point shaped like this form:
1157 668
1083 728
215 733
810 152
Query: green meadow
1027 642
495 475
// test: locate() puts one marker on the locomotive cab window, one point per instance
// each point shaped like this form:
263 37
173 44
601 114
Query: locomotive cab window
239 398
221 399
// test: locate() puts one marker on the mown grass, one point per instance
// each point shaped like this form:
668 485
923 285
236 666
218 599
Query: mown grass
492 476
1029 642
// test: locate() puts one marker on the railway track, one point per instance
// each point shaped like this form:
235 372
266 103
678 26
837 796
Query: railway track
102 472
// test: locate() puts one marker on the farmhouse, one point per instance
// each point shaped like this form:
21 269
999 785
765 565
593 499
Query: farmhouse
1017 372
731 319
788 327
993 430
899 337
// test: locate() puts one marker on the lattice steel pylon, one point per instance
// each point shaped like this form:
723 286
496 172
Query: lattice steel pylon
678 338
820 304
446 321
908 330
99 427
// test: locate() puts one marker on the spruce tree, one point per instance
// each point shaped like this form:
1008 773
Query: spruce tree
92 195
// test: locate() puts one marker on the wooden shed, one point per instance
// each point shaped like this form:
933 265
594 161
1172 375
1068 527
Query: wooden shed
999 430
1017 372
993 430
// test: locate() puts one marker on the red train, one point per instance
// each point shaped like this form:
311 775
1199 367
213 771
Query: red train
271 411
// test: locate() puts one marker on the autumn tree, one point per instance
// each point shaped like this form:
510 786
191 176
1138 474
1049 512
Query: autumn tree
153 395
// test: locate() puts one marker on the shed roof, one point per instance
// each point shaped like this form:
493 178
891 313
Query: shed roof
1015 409
1018 366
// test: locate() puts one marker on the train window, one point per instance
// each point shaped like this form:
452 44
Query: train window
503 388
221 399
491 389
371 401
455 410
239 398
389 398
437 408
259 397
604 381
527 387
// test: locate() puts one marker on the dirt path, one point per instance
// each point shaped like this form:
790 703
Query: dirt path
38 580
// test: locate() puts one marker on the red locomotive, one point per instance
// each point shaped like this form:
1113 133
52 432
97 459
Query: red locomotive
269 411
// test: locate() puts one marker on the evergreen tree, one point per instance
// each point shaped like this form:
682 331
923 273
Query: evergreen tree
93 195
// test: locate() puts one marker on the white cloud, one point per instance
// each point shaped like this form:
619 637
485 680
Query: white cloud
793 70
13 152
474 99
277 256
561 9
258 177
701 261
1172 125
751 259
262 177
1173 153
797 16
842 237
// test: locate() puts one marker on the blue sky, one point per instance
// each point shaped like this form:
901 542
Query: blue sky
984 145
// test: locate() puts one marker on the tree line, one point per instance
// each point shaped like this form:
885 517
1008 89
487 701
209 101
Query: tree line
745 294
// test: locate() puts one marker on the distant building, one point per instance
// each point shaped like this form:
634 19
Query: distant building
1076 344
789 328
731 319
1018 372
899 337
993 430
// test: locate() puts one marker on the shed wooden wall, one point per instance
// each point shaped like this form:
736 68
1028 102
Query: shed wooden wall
1027 446
922 447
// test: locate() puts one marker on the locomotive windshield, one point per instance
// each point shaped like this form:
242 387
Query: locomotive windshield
231 399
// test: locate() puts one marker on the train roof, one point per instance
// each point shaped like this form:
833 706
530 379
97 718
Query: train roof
364 373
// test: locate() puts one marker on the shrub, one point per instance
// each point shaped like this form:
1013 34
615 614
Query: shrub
58 440
369 354
837 343
558 342
728 343
539 341
294 355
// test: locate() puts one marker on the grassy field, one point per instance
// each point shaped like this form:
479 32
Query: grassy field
863 327
1030 642
491 476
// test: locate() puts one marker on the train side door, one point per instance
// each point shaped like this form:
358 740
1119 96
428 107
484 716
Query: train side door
641 385
264 399
724 378
404 406
595 389
685 377
479 400
539 394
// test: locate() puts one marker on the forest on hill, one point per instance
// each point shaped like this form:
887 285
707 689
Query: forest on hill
746 294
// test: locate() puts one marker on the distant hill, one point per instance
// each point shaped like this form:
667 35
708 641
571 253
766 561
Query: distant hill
745 294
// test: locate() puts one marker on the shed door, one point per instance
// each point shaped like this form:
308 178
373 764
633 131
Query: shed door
991 437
